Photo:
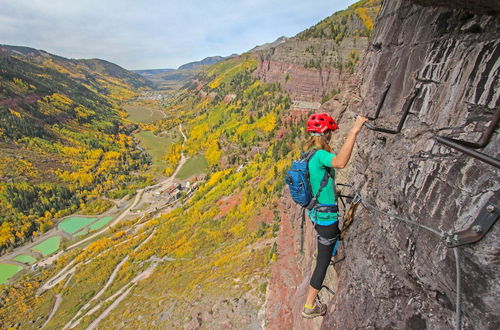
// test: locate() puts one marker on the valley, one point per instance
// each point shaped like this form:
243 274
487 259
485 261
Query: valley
135 204
153 214
74 235
196 256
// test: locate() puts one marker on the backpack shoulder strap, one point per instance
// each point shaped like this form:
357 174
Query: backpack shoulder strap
328 174
306 156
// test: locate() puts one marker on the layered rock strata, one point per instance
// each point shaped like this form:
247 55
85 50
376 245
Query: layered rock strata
396 276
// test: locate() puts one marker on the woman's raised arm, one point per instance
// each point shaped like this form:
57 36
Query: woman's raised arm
342 158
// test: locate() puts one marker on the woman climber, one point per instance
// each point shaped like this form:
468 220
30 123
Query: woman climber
325 213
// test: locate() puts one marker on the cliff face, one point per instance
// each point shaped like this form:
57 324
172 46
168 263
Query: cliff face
314 66
395 275
295 66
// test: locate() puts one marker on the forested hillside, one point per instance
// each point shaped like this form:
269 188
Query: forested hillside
225 229
209 257
64 141
205 263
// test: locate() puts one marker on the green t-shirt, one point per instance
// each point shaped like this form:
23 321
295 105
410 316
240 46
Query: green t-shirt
318 164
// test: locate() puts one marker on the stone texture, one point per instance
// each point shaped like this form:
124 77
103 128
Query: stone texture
479 6
304 84
287 64
396 276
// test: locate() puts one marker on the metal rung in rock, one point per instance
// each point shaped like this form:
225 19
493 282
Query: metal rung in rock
405 112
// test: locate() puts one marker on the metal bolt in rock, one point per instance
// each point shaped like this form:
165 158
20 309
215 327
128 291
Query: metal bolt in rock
490 208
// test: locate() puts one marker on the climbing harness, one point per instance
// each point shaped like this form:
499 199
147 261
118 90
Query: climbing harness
326 241
327 208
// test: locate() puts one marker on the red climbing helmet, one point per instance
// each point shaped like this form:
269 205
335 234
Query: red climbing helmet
321 123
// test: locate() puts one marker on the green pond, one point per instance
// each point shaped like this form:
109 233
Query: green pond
7 271
82 232
49 246
74 224
24 258
100 223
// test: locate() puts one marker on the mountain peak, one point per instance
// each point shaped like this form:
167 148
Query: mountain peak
269 45
206 61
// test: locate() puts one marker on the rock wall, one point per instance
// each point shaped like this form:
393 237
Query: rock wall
289 64
490 7
396 276
301 83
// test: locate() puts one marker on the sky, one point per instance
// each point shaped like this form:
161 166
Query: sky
153 34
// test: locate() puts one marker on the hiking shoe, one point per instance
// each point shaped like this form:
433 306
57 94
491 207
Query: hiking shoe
319 309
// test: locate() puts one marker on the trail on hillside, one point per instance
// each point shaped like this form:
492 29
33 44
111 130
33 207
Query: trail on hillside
63 273
143 275
71 268
183 160
54 309
76 319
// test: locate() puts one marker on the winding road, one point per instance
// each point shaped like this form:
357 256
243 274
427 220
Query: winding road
76 319
142 195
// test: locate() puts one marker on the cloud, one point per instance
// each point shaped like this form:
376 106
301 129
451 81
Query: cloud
155 33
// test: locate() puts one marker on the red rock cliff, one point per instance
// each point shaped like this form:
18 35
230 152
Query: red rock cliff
396 276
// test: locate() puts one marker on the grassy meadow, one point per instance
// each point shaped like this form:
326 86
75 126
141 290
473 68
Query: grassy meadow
144 112
157 147
193 166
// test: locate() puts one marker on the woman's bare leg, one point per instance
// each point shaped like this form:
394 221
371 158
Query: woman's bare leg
312 293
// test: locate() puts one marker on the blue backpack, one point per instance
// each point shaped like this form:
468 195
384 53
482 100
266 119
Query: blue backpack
297 179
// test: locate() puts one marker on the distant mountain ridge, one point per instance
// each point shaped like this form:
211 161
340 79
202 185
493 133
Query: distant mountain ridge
95 65
174 79
61 122
148 72
269 45
206 61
